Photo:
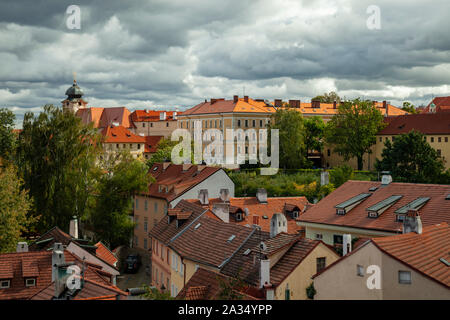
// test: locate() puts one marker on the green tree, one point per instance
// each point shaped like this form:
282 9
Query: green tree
328 97
409 107
291 128
155 294
352 130
7 136
119 180
230 288
314 133
410 158
56 154
14 208
339 175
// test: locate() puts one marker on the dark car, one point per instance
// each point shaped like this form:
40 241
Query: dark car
132 263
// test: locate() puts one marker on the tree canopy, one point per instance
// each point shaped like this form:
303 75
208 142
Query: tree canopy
410 158
7 136
351 132
328 97
314 133
409 107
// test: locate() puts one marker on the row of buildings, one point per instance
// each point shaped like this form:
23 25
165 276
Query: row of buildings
140 131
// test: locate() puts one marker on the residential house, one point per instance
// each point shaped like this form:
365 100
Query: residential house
367 209
173 183
257 210
411 266
119 138
151 145
43 275
154 122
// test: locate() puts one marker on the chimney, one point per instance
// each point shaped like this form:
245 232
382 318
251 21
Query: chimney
294 103
386 178
270 292
235 99
222 211
324 178
174 115
22 247
412 222
278 224
213 101
203 196
347 244
334 104
315 103
162 115
57 259
264 274
73 228
225 195
385 107
278 103
261 195
246 99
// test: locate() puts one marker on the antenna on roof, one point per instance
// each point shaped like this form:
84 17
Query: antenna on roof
74 77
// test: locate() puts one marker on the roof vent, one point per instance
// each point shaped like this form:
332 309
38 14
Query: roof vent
441 260
372 189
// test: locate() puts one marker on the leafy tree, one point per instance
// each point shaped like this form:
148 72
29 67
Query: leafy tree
314 133
56 154
164 152
409 107
14 207
339 175
328 97
7 136
291 128
121 178
410 158
352 130
155 294
230 288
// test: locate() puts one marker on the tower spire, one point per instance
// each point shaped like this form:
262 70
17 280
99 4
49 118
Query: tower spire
74 77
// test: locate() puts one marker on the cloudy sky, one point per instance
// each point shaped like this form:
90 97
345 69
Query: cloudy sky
175 53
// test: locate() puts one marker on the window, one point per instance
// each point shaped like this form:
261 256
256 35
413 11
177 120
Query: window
328 152
337 239
439 139
5 284
139 146
137 203
359 270
151 124
404 277
256 220
136 220
319 236
438 152
432 139
155 222
287 293
254 123
239 123
168 261
260 123
381 139
136 241
145 224
145 205
155 207
210 123
145 243
167 124
181 124
320 263
446 139
246 123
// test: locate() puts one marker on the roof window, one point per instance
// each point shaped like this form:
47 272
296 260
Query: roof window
377 209
414 205
346 206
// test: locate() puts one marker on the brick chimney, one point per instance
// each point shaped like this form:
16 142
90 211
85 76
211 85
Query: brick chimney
294 103
246 98
385 106
334 104
278 103
235 99
315 103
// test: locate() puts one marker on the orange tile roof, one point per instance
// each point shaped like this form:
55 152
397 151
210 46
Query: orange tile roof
105 254
120 134
434 211
178 180
257 210
230 106
442 104
422 252
427 123
103 117
151 115
151 143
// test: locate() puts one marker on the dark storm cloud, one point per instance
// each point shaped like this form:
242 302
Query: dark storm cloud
176 53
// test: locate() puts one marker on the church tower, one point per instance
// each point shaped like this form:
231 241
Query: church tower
74 100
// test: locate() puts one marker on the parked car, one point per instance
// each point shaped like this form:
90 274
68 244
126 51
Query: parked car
133 262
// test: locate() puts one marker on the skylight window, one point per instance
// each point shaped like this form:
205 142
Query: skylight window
231 238
414 205
373 189
444 262
346 206
246 252
377 209
197 226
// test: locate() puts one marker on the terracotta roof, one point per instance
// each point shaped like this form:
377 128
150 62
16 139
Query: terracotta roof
434 211
105 254
178 180
442 104
56 235
422 252
151 115
151 143
37 264
260 213
229 106
104 117
120 134
427 123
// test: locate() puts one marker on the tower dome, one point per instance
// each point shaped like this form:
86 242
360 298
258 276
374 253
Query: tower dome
74 100
74 92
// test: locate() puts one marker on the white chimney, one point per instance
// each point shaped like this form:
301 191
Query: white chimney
270 293
174 115
57 259
203 196
222 211
264 273
412 222
261 195
225 195
162 115
324 178
22 247
73 229
347 244
386 178
278 224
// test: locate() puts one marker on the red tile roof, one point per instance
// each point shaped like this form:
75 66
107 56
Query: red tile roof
151 143
442 104
151 115
178 180
422 252
105 254
103 117
121 134
434 211
258 210
427 123
229 106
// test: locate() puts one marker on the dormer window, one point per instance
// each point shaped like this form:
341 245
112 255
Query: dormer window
5 284
238 217
346 206
30 282
294 214
377 209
